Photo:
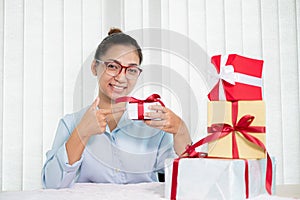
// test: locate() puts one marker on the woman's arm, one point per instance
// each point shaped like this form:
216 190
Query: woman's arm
65 157
171 123
181 138
93 122
81 134
57 172
63 161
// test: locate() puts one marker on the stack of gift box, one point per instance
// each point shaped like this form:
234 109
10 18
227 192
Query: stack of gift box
236 164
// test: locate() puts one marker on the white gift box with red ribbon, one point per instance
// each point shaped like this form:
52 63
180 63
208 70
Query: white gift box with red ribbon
133 110
211 178
137 108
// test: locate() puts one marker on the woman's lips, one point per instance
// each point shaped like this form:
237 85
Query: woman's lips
117 88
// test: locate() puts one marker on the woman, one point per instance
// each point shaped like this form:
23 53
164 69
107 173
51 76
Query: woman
99 143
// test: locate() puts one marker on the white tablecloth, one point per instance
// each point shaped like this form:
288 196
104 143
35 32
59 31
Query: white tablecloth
90 191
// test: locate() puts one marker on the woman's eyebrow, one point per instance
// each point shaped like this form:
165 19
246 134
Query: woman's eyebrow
112 60
116 61
133 64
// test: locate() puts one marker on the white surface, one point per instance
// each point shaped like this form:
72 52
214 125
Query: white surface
89 191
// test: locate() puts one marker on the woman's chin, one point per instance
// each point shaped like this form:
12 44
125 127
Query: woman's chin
114 96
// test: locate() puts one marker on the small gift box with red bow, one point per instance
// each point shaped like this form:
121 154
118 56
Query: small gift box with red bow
136 108
236 78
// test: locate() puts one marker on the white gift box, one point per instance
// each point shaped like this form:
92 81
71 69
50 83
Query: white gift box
206 178
132 109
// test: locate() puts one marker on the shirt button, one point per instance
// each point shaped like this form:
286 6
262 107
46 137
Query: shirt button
117 170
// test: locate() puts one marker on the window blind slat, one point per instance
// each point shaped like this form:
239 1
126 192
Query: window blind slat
233 26
289 90
198 67
72 53
272 94
91 37
33 95
215 27
53 73
251 23
13 96
1 86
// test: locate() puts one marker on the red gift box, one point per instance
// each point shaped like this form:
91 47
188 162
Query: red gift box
239 78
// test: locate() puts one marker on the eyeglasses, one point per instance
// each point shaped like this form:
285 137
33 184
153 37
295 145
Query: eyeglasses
114 68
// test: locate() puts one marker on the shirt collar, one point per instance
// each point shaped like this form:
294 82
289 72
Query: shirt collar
124 121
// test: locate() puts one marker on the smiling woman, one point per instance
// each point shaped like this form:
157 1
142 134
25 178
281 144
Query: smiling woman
100 143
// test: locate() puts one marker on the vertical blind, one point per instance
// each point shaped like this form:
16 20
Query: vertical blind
46 48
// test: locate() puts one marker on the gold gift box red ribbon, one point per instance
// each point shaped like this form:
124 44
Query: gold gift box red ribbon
240 127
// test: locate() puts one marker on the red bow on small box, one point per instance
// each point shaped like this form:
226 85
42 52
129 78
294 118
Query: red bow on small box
152 98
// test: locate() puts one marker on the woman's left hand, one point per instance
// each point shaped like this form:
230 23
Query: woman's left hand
164 119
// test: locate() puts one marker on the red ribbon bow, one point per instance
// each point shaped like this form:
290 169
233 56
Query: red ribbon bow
243 127
140 102
221 130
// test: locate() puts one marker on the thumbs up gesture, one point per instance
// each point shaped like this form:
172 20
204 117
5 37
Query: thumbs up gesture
95 120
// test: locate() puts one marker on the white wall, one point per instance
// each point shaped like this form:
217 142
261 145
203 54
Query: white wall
46 48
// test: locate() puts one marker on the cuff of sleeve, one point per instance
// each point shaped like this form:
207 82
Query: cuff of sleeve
64 161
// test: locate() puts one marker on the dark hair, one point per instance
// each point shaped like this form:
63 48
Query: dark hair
116 36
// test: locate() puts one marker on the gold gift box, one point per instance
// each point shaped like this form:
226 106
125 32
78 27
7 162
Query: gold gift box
221 112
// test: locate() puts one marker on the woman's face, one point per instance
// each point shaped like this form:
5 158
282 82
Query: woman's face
112 87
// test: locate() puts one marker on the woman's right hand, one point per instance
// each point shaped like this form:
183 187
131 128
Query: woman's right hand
94 120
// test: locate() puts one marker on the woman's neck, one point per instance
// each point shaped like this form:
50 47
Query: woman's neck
107 103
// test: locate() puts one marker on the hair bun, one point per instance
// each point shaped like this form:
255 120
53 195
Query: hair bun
114 30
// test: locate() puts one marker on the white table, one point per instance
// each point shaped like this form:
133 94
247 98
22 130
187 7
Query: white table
292 191
90 191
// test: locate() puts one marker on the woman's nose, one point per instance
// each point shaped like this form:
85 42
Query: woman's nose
121 77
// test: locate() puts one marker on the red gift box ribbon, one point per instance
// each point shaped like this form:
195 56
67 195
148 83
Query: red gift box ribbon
221 130
140 102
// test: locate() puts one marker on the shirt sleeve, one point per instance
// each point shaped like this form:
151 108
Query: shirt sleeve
166 150
57 172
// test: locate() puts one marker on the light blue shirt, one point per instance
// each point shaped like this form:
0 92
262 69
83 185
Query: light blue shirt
133 152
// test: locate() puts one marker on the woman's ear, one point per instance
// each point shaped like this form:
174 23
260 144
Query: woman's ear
94 67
